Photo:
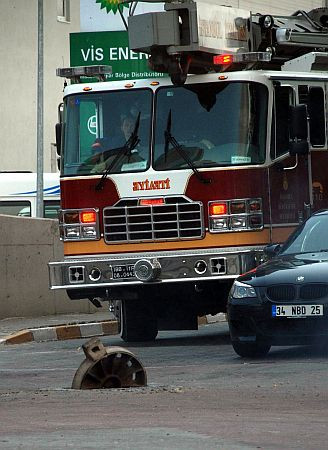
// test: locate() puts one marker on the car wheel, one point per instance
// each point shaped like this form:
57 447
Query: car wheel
251 349
136 321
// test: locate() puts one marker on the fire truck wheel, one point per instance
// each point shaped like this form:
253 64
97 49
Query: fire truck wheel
136 321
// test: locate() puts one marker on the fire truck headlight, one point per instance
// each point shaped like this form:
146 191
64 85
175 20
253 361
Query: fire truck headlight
72 233
238 222
89 232
219 224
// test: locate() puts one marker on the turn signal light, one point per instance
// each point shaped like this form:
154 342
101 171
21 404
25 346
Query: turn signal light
235 215
255 205
218 209
238 207
79 224
88 216
69 217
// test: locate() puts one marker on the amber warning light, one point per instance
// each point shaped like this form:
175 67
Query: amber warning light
88 216
218 209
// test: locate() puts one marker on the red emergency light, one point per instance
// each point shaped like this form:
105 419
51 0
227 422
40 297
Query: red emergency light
223 60
151 201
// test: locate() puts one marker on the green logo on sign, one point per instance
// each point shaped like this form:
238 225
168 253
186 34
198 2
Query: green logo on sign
112 5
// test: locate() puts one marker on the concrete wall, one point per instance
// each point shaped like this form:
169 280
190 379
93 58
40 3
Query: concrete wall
26 246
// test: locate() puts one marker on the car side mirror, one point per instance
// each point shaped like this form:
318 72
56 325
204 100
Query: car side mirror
58 131
271 250
298 130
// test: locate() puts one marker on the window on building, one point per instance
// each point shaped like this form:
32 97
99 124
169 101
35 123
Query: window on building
63 11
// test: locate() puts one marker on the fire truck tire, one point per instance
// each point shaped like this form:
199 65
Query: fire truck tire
136 321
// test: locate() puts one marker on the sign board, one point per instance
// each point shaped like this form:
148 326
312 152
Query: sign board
217 28
110 48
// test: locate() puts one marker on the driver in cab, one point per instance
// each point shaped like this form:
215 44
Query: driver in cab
107 144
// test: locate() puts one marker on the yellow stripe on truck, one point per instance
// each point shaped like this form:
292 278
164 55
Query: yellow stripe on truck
210 241
280 234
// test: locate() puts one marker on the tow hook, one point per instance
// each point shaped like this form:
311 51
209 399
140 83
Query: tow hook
108 367
146 270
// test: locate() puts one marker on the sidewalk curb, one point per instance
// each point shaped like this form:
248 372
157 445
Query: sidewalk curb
80 330
62 332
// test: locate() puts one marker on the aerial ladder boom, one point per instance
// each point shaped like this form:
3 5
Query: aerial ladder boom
184 37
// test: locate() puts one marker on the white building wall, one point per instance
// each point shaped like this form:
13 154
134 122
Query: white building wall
18 78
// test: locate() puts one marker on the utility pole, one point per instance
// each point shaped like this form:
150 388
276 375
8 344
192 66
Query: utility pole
39 145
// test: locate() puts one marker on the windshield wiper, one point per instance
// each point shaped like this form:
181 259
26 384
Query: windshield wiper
169 139
125 150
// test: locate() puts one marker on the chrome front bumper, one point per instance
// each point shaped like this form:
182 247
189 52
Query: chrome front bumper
155 267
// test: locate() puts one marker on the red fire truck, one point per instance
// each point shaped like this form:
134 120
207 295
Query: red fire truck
181 181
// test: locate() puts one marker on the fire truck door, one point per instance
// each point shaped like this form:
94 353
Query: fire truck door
289 176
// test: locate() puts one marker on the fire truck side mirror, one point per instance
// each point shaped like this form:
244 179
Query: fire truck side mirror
58 131
298 130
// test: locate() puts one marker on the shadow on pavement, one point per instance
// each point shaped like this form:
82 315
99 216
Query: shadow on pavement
211 336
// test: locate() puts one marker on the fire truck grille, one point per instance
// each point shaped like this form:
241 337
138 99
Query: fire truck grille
153 222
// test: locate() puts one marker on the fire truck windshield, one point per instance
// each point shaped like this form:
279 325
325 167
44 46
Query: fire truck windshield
211 124
97 128
216 124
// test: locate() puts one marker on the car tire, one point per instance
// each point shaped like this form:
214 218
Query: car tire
136 321
251 349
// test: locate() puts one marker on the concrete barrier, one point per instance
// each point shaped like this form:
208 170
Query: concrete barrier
26 247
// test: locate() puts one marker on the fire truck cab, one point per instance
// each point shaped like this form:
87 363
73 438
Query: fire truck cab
183 180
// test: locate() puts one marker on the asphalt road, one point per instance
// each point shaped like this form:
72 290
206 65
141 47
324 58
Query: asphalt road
200 394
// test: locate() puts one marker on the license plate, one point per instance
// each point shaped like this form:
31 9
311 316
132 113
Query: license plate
297 310
123 271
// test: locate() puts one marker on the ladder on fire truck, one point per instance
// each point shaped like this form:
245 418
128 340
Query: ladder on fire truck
185 38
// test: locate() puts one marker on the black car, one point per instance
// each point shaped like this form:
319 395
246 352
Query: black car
285 300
